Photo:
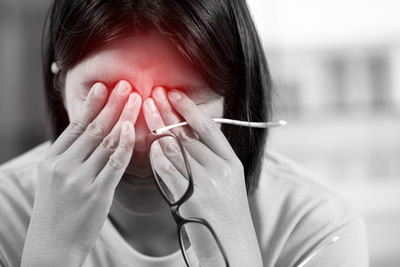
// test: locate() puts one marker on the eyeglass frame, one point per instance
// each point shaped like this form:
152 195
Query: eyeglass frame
179 219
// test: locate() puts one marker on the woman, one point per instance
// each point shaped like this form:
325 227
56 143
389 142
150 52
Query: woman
116 70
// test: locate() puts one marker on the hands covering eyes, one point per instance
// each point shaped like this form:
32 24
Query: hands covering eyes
81 169
78 177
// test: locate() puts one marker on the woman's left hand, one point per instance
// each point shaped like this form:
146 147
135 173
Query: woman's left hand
220 195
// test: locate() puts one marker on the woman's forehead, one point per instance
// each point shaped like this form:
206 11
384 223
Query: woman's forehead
145 52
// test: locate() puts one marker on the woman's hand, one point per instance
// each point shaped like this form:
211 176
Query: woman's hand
219 186
78 177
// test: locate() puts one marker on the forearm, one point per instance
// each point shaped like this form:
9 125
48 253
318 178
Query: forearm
240 241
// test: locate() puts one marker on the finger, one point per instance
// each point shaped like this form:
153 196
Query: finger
196 149
111 174
169 116
208 130
101 125
102 153
171 181
169 146
151 115
93 104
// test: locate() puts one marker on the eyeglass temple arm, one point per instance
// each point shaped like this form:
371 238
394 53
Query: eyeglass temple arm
229 121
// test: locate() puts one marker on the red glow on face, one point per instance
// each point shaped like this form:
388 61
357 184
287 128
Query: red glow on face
145 61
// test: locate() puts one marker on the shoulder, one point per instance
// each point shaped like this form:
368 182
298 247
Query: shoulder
294 213
17 190
18 175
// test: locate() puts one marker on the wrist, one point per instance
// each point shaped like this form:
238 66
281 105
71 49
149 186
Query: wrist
239 240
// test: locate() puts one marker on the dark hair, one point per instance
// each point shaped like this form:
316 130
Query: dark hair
217 36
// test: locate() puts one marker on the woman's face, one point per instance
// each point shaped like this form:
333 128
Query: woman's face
146 61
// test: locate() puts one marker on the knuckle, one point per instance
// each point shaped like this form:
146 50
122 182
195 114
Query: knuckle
167 169
96 129
57 167
210 127
114 103
125 146
172 149
96 195
156 154
92 106
226 171
185 135
76 127
116 162
109 143
54 166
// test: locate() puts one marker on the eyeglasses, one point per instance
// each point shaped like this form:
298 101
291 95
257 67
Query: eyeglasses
198 241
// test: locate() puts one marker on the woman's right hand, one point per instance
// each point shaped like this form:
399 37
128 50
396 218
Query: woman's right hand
78 176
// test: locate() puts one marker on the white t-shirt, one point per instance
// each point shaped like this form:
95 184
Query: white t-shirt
293 216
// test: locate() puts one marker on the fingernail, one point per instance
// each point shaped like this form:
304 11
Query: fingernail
126 127
159 93
174 95
99 89
150 105
132 100
123 88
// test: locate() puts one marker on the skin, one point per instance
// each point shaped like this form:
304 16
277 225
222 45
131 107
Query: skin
134 60
138 209
114 97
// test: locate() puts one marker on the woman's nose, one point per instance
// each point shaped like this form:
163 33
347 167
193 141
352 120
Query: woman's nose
143 84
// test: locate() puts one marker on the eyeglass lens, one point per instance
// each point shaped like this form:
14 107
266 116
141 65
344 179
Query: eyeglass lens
200 246
169 168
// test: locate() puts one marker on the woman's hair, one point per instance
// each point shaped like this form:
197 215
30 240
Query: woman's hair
217 36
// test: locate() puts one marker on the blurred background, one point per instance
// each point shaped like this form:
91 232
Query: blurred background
336 69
